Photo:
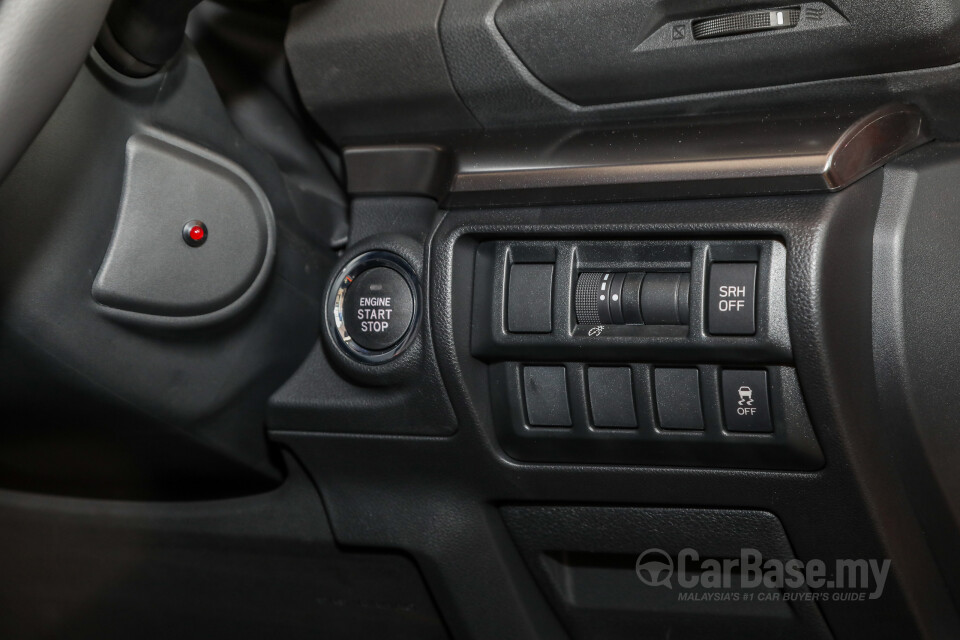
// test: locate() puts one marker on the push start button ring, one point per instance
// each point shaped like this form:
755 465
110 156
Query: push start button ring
338 299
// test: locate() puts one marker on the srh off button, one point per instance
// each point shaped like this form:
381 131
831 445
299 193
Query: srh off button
378 308
732 299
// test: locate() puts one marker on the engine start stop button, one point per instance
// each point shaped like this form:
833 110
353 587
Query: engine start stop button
377 308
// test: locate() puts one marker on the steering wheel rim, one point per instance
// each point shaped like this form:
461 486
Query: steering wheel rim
43 43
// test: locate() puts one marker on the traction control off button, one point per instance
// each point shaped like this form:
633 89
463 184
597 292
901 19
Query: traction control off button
378 308
746 406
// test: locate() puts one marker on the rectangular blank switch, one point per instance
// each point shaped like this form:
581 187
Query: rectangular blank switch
545 396
678 398
530 298
611 397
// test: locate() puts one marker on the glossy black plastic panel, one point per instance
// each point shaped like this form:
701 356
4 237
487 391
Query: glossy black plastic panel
679 158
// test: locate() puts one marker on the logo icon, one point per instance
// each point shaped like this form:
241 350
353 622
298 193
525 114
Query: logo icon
679 31
596 331
655 568
746 396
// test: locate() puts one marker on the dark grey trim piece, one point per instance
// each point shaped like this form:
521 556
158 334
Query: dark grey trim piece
111 307
724 156
872 141
398 169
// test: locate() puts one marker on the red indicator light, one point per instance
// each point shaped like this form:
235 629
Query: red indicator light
194 233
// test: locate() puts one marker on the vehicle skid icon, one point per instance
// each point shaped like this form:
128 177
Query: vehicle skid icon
745 404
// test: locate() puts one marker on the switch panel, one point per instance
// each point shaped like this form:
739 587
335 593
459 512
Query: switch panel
640 413
670 301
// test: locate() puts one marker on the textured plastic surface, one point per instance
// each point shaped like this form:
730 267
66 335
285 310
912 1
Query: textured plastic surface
242 47
150 275
916 312
585 559
240 569
735 24
357 61
594 54
500 91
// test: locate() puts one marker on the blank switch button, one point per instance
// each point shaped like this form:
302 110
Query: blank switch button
545 395
611 397
678 398
530 299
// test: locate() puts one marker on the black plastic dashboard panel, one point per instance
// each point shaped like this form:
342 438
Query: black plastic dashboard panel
386 491
333 391
248 568
609 51
367 65
453 70
584 558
